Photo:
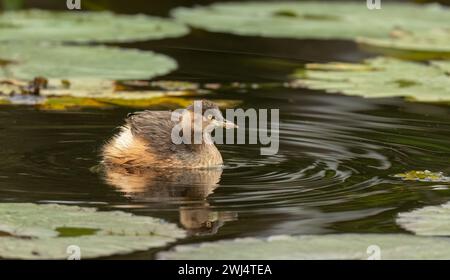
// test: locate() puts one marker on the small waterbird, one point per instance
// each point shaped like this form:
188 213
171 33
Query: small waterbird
146 140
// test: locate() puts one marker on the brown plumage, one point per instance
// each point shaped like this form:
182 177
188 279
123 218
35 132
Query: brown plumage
145 140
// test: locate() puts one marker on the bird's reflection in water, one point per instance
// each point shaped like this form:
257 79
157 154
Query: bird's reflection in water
188 187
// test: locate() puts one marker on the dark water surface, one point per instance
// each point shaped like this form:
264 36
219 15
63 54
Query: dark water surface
333 172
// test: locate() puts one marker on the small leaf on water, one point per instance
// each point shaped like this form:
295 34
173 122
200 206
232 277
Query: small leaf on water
423 176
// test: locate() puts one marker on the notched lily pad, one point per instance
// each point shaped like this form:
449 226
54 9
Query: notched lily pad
40 25
379 77
32 231
313 247
423 176
429 220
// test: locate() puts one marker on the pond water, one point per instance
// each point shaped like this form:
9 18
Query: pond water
332 174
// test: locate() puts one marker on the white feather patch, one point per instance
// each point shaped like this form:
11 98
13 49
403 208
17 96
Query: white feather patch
124 139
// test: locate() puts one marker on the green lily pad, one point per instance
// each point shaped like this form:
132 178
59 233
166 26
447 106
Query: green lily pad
379 77
429 220
444 65
423 176
320 20
434 44
28 61
333 246
78 72
34 231
69 26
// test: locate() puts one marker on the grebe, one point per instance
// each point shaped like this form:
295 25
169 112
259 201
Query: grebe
146 139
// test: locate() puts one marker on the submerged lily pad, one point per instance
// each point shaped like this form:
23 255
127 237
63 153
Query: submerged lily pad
333 246
45 231
423 176
81 62
39 25
379 77
429 220
336 20
68 102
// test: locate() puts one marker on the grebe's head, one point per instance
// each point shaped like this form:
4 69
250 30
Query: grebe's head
208 114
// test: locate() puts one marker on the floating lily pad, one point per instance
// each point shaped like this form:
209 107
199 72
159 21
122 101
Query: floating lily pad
92 93
336 20
28 61
79 72
379 77
423 176
39 25
45 231
429 220
444 65
333 246
434 44
101 94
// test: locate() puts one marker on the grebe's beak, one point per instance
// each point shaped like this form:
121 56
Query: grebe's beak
224 123
229 125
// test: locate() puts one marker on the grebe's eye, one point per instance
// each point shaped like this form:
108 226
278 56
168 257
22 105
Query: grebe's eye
210 117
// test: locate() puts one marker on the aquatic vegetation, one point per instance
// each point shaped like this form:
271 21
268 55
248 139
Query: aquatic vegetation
69 102
336 20
82 73
62 94
433 44
31 231
423 176
78 89
331 246
77 71
81 62
429 220
333 175
405 30
175 85
67 26
444 65
167 101
379 77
